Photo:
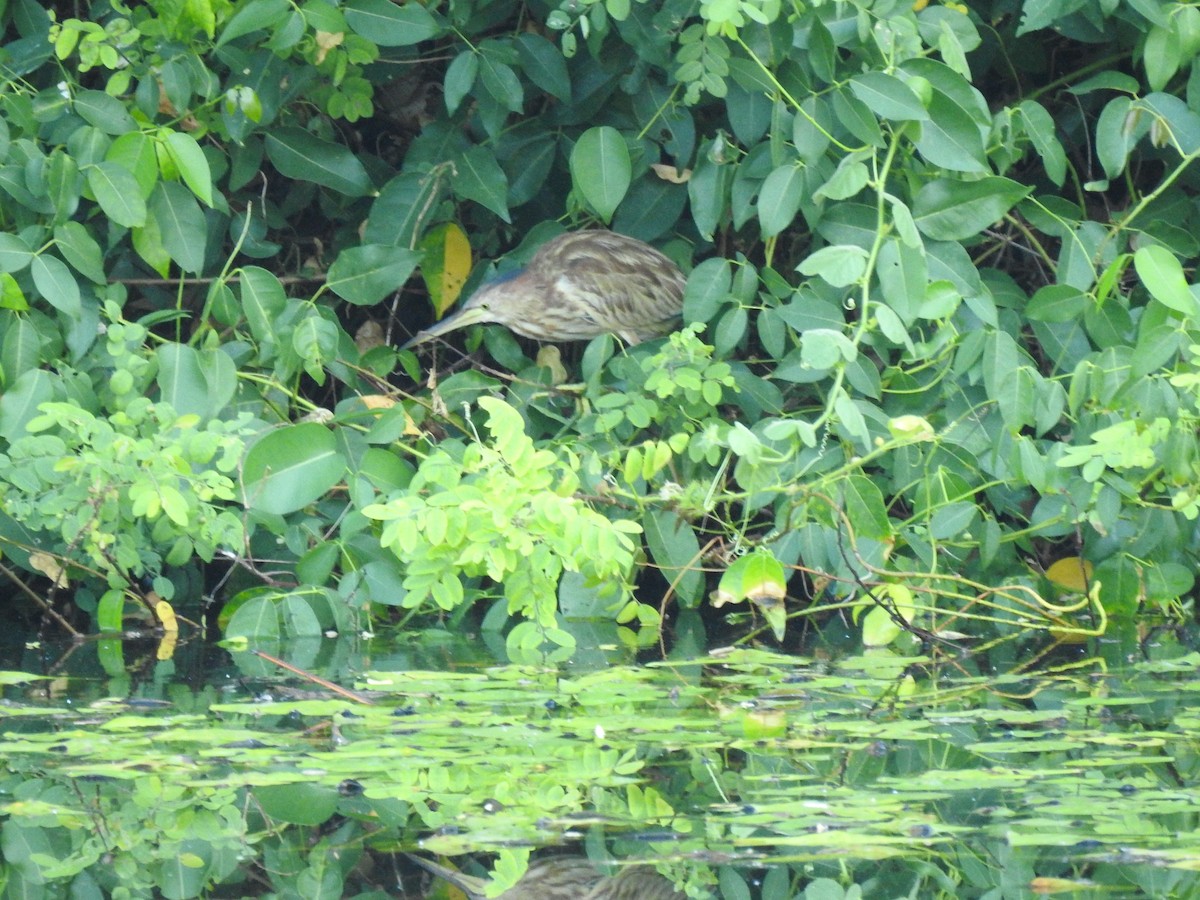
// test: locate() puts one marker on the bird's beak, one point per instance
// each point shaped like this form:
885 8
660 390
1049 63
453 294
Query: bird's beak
471 316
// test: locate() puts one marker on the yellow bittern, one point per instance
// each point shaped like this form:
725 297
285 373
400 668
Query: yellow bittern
578 286
566 878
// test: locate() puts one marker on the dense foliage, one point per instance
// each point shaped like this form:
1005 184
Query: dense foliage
938 266
938 365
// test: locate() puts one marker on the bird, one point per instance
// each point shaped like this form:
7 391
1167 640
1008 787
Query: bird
578 286
566 878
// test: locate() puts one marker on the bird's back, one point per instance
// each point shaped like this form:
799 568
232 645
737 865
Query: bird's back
611 283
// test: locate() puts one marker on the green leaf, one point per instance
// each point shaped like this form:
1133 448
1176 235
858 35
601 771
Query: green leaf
951 210
181 225
708 288
256 15
1174 122
779 199
1161 55
298 154
196 382
479 177
501 82
79 249
1057 303
1163 277
263 301
20 350
390 25
865 510
1039 125
839 265
459 79
601 170
1115 135
755 576
365 275
56 284
105 112
857 118
708 192
888 97
15 254
135 152
951 138
544 64
19 402
192 164
674 547
396 213
118 194
290 468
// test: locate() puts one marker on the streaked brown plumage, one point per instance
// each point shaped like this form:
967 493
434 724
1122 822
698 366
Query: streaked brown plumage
578 286
567 878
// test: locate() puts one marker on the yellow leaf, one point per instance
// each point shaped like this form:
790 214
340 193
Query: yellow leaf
377 401
550 357
445 265
1071 573
166 616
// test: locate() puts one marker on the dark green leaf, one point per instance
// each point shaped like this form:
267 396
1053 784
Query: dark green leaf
389 24
80 249
479 177
181 225
105 112
298 154
674 547
56 284
544 64
888 97
263 300
951 138
950 210
117 193
460 78
779 200
365 275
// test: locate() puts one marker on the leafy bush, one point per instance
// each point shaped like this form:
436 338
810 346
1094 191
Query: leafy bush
947 212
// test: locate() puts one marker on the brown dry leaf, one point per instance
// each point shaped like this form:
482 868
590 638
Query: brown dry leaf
48 566
369 336
326 41
671 173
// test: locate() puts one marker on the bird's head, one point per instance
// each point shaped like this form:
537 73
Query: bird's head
497 301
